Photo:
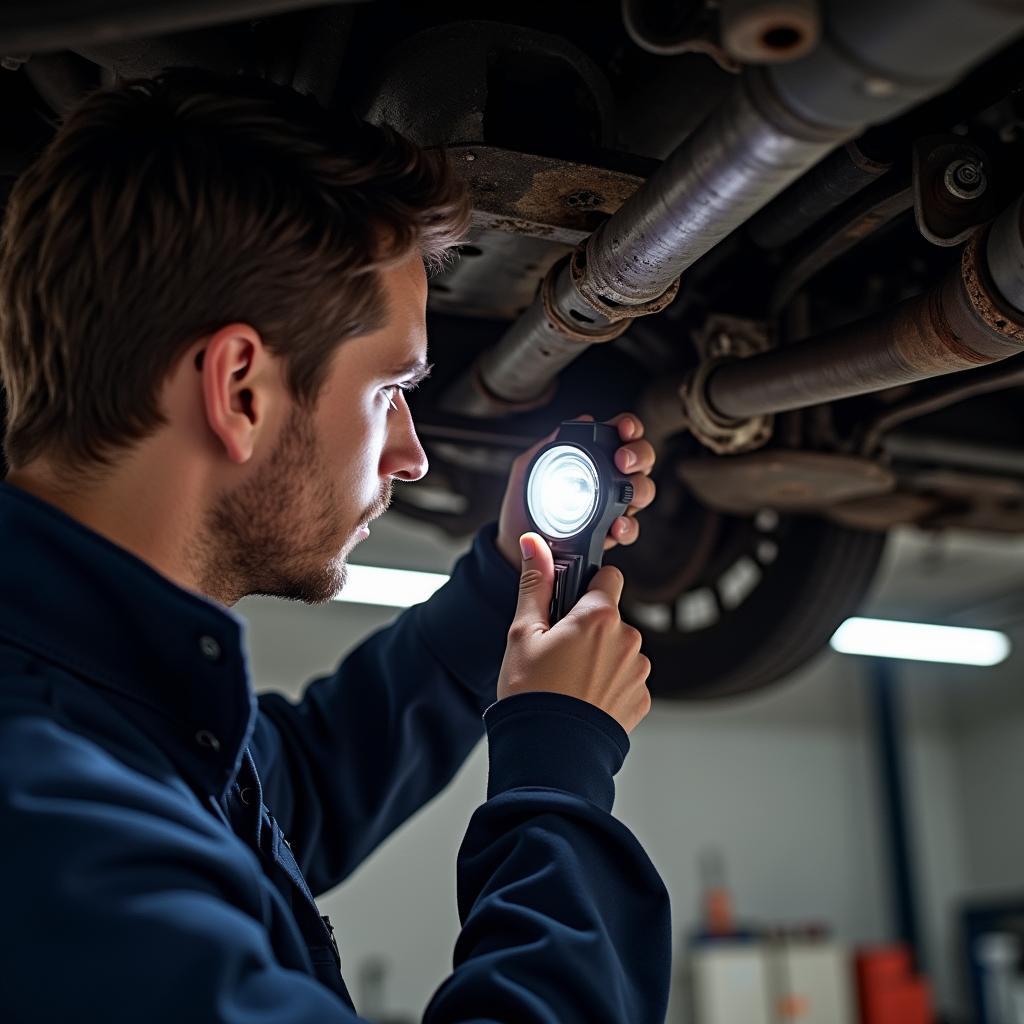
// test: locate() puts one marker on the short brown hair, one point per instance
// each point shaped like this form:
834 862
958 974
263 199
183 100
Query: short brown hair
165 209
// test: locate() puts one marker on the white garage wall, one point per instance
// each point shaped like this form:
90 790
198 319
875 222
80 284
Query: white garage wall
989 750
966 773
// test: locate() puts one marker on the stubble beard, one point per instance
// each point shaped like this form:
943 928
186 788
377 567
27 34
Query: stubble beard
282 533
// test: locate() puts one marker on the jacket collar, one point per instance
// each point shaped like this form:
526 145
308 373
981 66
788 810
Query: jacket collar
78 601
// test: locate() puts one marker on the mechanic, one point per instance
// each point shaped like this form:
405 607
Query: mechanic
212 301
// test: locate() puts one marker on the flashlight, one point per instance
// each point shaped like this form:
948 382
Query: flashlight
573 495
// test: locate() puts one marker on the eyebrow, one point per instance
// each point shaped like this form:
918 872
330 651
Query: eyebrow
413 372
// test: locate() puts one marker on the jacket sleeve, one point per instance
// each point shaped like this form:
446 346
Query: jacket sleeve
370 744
565 920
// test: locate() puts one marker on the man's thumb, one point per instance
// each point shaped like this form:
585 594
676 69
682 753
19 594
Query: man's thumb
536 580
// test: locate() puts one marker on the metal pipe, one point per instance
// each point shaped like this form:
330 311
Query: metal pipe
778 122
1006 254
961 323
878 54
971 385
27 26
943 451
742 156
836 179
538 346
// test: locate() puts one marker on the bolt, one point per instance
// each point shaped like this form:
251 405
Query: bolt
965 178
584 199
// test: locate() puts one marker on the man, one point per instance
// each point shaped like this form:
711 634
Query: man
211 306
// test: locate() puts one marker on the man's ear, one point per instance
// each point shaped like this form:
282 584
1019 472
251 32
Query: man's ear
237 374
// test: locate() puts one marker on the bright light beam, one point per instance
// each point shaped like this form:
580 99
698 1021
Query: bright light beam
390 588
919 641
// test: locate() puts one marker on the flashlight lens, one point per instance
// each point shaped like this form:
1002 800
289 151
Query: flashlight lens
562 491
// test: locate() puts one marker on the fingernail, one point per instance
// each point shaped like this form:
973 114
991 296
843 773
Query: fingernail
628 458
526 546
628 428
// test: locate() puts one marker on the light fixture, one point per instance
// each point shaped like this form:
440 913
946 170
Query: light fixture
573 495
390 588
921 641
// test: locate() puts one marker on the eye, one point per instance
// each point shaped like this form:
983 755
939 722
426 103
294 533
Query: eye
392 390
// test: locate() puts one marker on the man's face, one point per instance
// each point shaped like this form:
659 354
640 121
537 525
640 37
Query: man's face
289 528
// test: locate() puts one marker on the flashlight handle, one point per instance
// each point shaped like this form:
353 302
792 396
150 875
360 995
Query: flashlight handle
569 585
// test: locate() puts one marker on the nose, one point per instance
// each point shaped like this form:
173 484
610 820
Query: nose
403 457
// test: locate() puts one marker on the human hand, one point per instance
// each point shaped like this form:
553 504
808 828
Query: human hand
635 458
590 654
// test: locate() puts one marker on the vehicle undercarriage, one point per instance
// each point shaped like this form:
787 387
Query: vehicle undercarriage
788 233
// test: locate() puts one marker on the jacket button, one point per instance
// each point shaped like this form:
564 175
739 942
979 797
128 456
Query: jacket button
210 648
205 738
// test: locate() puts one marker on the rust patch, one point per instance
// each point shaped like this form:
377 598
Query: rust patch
540 196
926 338
982 301
883 511
567 330
610 310
515 226
956 325
782 479
574 193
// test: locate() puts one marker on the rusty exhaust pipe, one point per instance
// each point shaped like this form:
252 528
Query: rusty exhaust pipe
963 322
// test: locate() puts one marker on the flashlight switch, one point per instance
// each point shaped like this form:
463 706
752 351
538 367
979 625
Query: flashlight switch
557 609
627 493
567 586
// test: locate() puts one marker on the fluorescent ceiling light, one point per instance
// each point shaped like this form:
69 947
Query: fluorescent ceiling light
392 588
919 641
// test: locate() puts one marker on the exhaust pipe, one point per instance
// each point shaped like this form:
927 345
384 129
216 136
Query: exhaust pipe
973 317
875 60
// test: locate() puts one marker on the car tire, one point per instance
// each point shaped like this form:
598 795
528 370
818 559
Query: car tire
818 576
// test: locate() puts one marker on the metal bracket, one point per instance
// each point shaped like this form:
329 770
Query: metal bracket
611 310
953 193
723 339
678 28
580 331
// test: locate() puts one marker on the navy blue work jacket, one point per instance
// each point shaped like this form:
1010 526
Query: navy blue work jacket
164 832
